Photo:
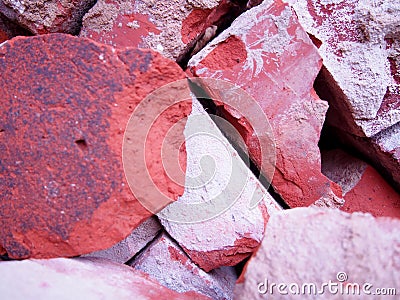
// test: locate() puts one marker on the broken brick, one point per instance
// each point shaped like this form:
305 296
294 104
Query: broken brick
80 278
265 44
220 218
313 246
132 244
43 16
360 79
165 262
364 189
8 29
167 27
66 102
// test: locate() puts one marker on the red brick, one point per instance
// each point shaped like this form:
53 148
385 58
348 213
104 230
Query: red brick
2 251
167 26
271 57
66 104
364 189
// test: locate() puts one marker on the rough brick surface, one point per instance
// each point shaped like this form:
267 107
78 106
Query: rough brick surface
45 16
80 278
360 50
361 79
312 245
165 262
363 187
216 220
260 53
132 244
164 26
65 105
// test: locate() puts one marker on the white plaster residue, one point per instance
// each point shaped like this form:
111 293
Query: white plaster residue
363 74
18 5
389 139
218 184
359 64
169 21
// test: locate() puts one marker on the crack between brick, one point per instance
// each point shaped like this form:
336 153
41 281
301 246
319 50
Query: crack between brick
233 9
211 108
221 24
156 237
147 246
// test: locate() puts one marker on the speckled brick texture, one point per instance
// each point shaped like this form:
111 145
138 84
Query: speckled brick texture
65 104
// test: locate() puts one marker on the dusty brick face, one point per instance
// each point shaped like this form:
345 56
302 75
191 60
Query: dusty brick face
314 245
282 85
63 116
167 26
227 227
40 17
81 278
360 78
132 244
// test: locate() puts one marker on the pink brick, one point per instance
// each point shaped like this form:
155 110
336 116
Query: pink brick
81 278
315 246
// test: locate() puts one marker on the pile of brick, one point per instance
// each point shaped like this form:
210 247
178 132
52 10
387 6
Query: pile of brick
199 149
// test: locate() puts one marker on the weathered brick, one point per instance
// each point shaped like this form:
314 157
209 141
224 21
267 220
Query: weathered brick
66 102
268 54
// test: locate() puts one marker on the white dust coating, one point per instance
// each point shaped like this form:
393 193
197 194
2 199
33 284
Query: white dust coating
168 17
74 278
53 15
362 69
310 245
210 161
329 200
127 248
266 39
18 5
165 262
389 140
342 168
